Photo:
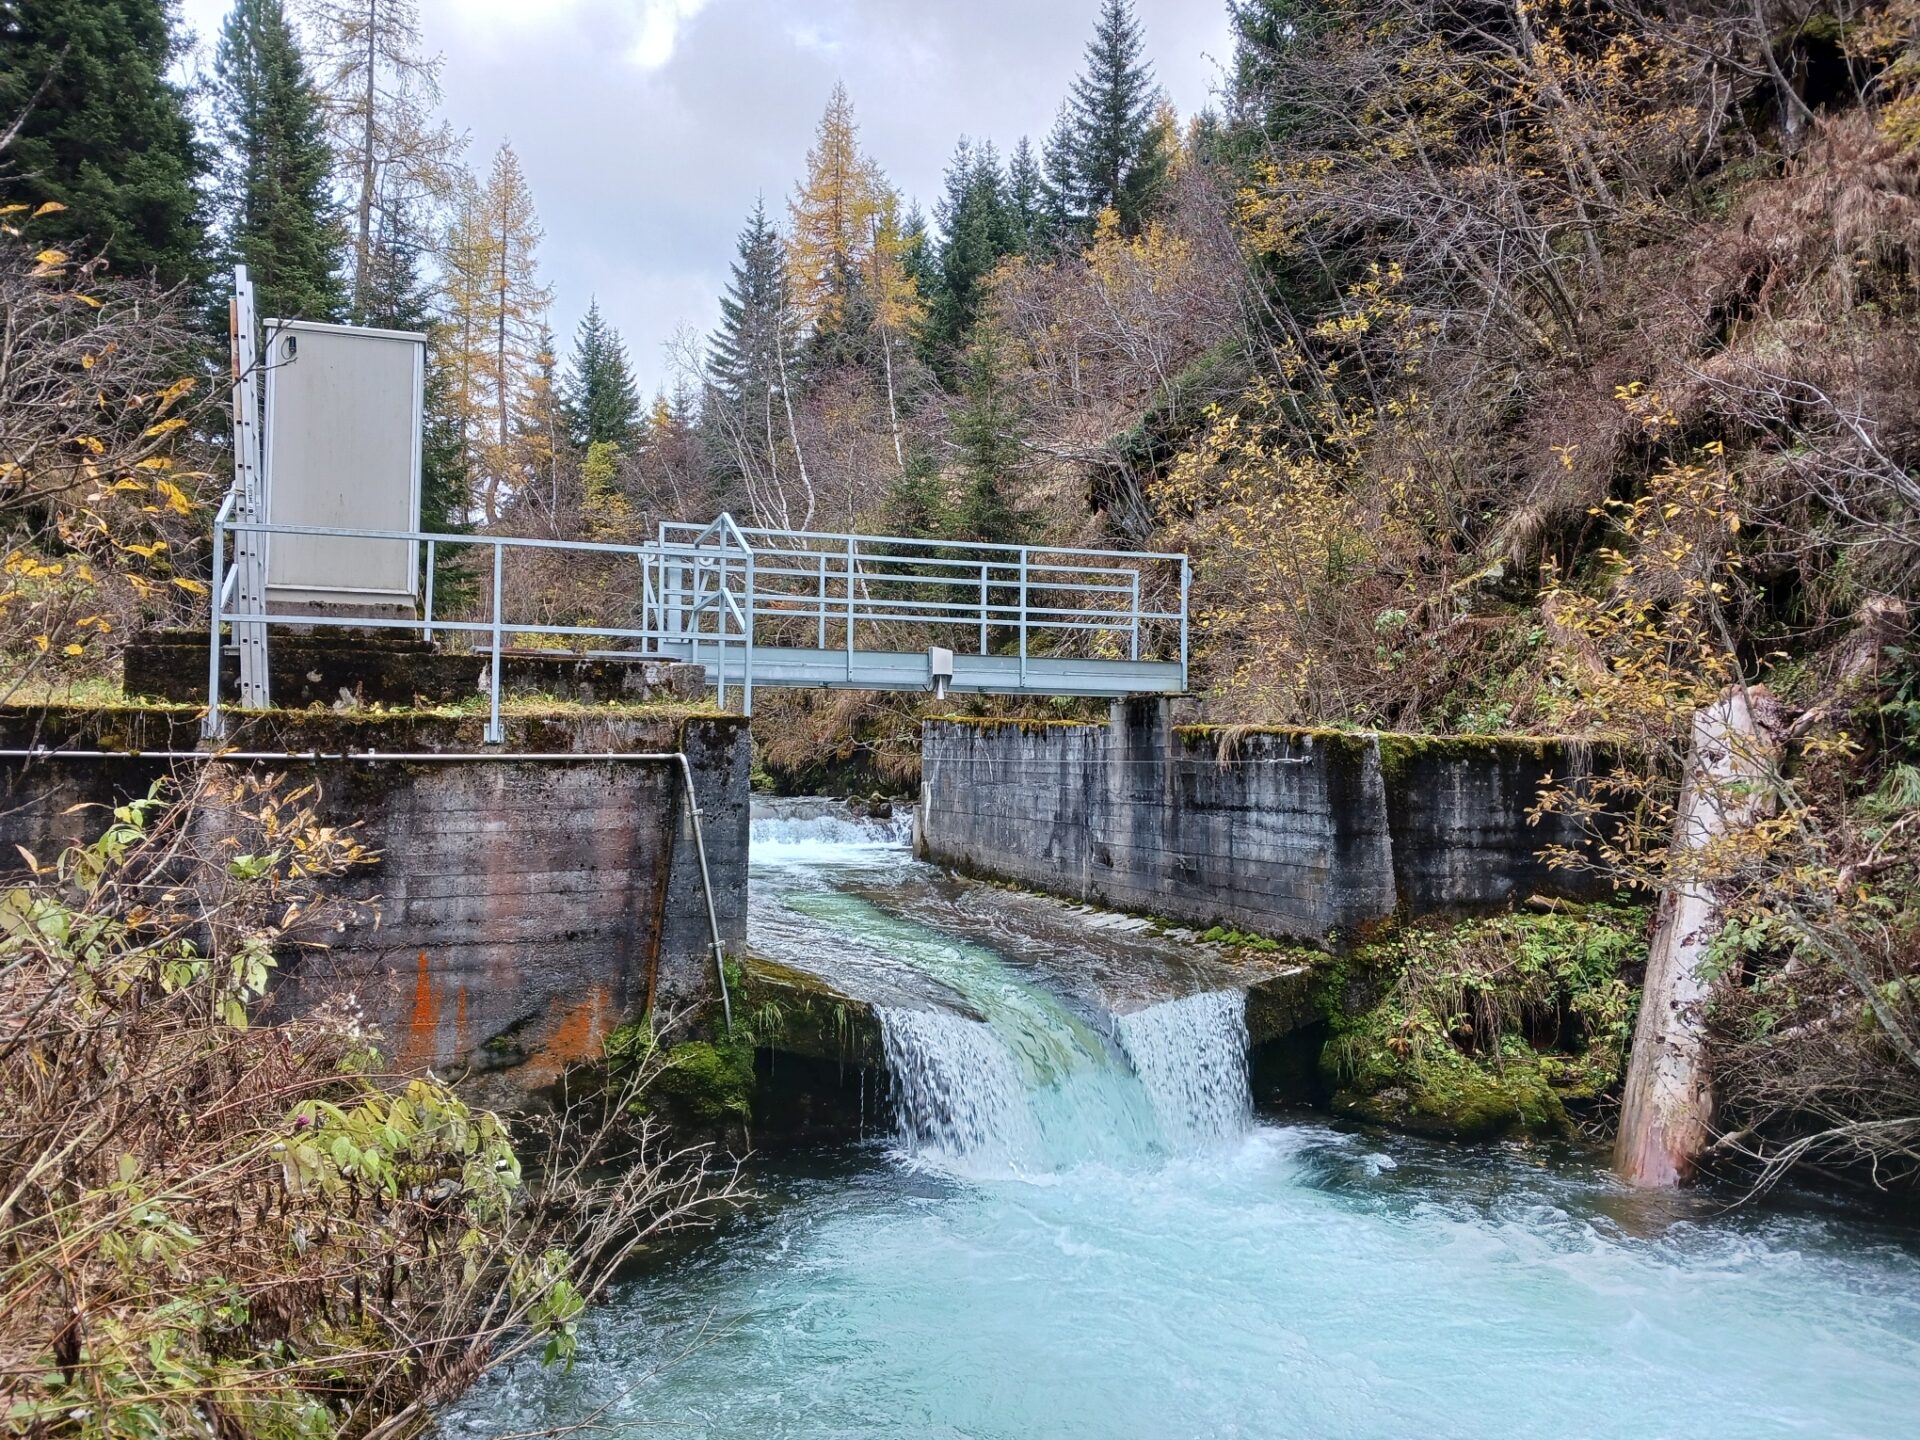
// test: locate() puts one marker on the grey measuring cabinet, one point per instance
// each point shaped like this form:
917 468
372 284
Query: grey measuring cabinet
344 408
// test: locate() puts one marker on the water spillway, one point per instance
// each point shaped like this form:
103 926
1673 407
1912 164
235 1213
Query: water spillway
1071 1222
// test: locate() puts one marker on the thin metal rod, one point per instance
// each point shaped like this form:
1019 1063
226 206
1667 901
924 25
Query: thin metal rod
432 545
211 726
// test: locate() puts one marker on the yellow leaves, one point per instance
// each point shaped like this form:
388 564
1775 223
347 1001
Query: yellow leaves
175 497
164 427
192 587
146 550
50 258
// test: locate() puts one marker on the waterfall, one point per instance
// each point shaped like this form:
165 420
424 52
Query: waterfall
819 829
957 1092
1191 1055
1033 1089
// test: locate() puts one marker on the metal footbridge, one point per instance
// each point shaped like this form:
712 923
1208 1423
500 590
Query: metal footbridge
756 608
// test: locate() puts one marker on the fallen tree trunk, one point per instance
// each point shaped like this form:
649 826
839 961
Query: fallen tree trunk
1666 1110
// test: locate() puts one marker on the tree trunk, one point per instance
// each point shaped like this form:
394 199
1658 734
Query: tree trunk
1667 1107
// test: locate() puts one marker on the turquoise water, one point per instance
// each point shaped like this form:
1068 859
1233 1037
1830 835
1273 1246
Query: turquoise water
1081 1230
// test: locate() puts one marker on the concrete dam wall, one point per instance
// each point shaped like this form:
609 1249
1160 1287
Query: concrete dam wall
519 909
1309 834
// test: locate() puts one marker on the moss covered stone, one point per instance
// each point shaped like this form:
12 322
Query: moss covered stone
706 1083
1483 1028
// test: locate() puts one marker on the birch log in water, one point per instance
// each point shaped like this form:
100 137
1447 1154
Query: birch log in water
1667 1107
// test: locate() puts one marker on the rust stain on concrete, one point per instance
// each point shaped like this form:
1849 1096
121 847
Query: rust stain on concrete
422 1047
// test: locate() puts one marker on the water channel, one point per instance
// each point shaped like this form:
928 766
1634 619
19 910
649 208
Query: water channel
1073 1223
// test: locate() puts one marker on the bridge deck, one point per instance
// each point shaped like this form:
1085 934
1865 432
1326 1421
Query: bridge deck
784 667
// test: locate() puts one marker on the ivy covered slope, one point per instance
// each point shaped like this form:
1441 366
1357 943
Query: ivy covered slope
1511 1025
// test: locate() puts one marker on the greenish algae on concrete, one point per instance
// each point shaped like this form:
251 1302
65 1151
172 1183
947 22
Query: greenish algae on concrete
1511 1024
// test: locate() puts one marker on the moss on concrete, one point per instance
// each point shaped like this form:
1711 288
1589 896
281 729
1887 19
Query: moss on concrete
1506 1025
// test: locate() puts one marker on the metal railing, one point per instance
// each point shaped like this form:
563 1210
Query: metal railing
702 590
715 600
828 586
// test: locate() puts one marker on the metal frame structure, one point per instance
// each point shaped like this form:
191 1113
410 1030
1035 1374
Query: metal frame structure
758 608
249 576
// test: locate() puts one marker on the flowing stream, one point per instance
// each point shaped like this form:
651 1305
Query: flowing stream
1073 1224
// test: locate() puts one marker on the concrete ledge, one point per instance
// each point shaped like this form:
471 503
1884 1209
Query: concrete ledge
519 909
1310 834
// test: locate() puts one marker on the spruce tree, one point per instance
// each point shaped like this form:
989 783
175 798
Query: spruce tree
992 459
598 402
753 348
1026 196
977 233
277 214
102 132
1119 153
1061 211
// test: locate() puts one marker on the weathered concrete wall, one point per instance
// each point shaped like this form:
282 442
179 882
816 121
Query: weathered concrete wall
1301 833
518 910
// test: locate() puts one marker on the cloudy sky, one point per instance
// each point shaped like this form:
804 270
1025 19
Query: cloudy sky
647 127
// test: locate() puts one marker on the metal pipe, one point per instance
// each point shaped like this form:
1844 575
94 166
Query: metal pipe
414 757
431 546
496 733
211 727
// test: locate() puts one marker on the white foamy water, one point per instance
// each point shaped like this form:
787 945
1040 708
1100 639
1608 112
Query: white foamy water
1109 1248
818 833
958 1094
1191 1055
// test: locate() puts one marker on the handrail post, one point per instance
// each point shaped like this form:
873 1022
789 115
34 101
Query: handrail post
1135 618
983 607
432 545
850 564
213 727
1185 586
746 643
1023 617
820 598
496 733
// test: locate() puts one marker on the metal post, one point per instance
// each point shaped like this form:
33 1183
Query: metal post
496 733
213 727
746 644
1023 617
820 597
983 607
431 547
1185 581
1135 653
849 608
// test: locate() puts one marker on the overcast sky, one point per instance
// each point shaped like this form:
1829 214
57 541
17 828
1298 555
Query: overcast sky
647 127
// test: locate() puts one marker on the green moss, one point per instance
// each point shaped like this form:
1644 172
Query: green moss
706 1083
1488 1027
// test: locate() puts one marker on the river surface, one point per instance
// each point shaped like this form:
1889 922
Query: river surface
1074 1225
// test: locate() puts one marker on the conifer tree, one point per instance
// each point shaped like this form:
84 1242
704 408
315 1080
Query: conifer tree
978 231
992 459
102 132
278 217
398 297
832 222
1061 211
599 404
747 415
753 348
496 310
1026 196
391 155
1119 156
